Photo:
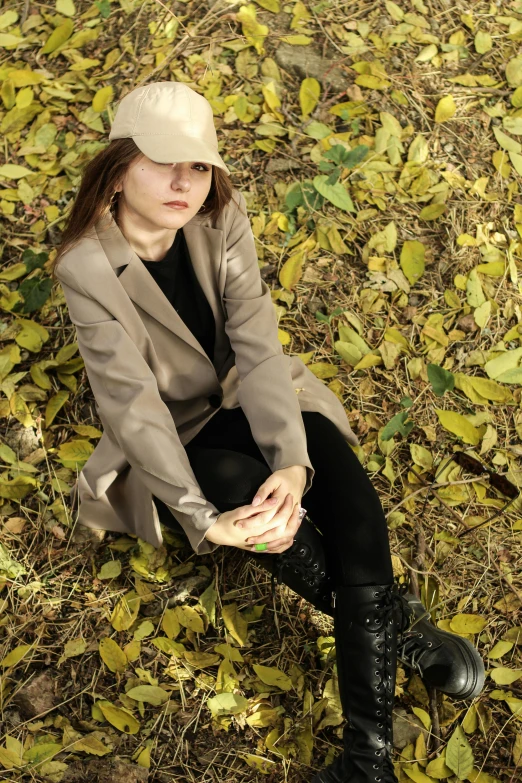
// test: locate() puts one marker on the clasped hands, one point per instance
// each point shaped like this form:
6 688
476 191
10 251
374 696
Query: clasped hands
272 518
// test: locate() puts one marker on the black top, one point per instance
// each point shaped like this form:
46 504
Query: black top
176 277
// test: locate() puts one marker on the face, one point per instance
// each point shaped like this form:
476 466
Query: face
148 187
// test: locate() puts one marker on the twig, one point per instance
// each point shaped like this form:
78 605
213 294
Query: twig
475 539
434 715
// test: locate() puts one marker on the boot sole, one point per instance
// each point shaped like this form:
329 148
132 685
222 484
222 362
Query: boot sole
474 663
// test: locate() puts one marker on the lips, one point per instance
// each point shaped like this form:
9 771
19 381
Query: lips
176 203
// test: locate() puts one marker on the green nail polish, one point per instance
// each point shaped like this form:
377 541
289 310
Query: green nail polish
260 547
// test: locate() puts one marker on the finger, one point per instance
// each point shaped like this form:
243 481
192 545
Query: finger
273 527
246 512
263 518
284 544
276 532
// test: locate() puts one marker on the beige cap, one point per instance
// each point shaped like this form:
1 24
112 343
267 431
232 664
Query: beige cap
169 122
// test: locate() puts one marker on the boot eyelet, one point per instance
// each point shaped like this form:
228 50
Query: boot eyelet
376 766
323 573
296 571
380 699
430 644
379 713
380 725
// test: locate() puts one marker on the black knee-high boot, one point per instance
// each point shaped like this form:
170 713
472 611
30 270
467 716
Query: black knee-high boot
445 661
366 654
302 567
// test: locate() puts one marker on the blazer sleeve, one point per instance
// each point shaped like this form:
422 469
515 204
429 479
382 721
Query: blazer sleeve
266 390
128 398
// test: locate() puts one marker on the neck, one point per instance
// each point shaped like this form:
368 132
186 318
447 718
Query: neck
148 242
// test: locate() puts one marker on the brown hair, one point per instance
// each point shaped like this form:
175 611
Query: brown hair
97 189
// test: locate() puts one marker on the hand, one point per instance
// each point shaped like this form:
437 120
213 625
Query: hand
290 480
227 532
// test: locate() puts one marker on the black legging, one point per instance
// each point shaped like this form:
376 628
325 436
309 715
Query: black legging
342 501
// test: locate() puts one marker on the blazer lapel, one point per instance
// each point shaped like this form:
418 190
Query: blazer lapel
205 248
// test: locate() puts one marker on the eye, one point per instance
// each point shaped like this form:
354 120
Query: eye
205 167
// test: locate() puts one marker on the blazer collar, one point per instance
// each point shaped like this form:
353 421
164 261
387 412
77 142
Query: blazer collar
205 247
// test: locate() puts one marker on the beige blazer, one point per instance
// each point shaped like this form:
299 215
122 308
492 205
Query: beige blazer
155 387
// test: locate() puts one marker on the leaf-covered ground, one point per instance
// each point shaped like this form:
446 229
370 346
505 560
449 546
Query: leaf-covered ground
379 147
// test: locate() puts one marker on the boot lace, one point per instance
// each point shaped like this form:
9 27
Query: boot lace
388 609
299 558
410 650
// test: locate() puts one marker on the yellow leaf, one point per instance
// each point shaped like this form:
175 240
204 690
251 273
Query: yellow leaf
445 109
416 774
253 31
58 37
150 694
384 241
125 611
200 660
170 623
474 293
309 94
490 389
483 42
500 649
437 769
292 270
514 72
424 717
458 425
482 314
112 655
412 260
259 763
508 360
421 457
14 171
349 352
271 675
227 704
432 211
235 623
16 655
468 623
504 676
516 160
370 360
102 98
297 40
109 570
188 617
121 718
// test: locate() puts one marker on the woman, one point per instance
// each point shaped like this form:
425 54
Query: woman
209 424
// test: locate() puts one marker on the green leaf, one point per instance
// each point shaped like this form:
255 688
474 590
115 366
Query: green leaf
459 756
336 194
397 424
441 380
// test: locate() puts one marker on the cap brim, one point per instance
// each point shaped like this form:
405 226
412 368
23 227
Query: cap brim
178 149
